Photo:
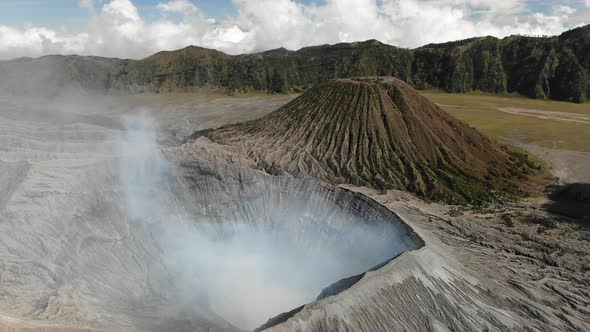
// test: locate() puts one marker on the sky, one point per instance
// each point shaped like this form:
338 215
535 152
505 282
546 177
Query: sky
138 28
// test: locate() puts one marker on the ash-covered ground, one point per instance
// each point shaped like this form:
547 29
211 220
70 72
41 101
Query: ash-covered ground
102 228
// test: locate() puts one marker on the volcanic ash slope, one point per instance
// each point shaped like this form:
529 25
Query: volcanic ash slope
377 132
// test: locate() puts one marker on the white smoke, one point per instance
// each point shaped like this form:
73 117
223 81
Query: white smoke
141 168
244 271
145 253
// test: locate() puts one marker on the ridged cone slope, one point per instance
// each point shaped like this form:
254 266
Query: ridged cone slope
376 132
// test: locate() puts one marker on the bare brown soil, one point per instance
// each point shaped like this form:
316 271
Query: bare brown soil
376 132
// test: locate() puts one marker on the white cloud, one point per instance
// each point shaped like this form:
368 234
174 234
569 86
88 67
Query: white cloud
88 4
179 6
564 10
36 41
116 28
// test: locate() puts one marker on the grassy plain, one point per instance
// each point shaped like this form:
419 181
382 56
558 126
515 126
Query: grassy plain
549 130
482 111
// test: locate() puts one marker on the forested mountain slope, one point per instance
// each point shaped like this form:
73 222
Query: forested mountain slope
555 67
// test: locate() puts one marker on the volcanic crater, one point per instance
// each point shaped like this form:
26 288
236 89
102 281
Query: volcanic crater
136 240
105 228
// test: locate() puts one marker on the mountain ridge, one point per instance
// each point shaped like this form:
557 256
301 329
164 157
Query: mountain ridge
556 67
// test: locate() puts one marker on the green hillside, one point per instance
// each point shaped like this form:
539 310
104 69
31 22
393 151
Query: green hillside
274 71
545 67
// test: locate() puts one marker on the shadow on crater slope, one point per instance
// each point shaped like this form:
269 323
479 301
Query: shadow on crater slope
572 200
255 245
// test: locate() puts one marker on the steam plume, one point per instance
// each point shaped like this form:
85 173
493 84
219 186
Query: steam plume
246 271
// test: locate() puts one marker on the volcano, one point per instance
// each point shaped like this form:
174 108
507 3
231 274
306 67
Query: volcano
377 132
